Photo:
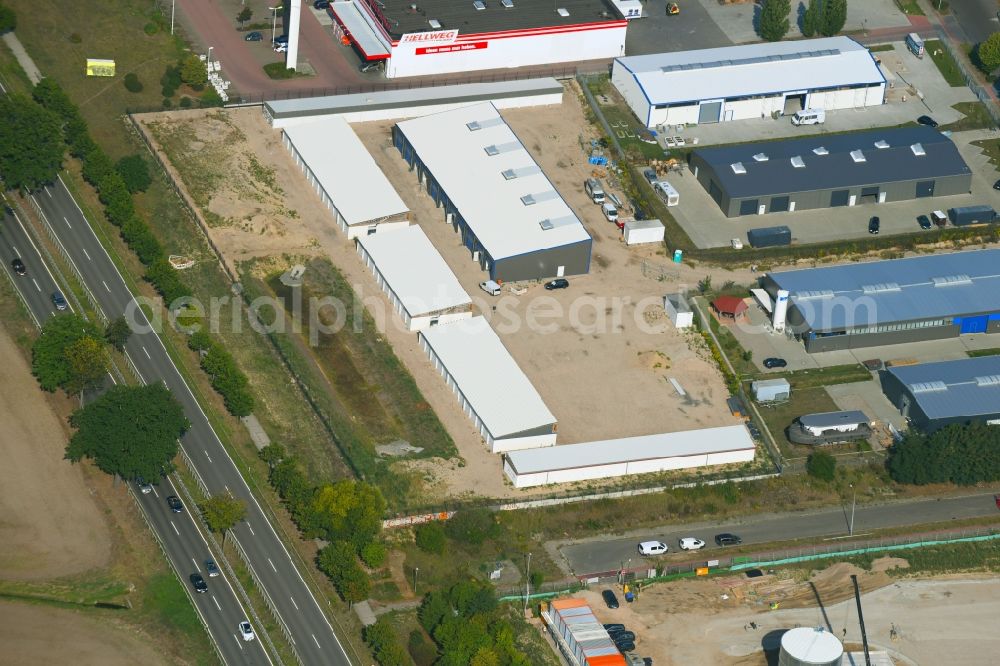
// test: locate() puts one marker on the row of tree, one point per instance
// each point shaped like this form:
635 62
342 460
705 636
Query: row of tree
226 376
961 454
347 514
824 17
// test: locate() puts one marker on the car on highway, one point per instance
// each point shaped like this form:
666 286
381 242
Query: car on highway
652 548
18 266
211 568
610 600
254 36
198 583
246 631
996 185
775 362
928 121
59 301
874 224
691 543
996 500
727 539
175 504
145 487
560 283
924 221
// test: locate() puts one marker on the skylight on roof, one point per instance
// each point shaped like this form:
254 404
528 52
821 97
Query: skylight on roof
918 150
434 24
858 156
760 157
951 280
562 11
881 144
820 150
928 387
479 5
738 168
798 163
812 295
507 4
988 380
881 288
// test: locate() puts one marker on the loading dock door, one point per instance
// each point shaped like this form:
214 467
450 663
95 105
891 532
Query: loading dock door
925 188
779 204
710 112
869 194
974 324
748 207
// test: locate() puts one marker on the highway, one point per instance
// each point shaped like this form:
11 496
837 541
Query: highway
184 544
311 634
598 556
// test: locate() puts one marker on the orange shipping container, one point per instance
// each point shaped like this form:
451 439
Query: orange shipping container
567 603
606 660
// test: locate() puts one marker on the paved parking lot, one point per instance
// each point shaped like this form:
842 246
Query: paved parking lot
656 32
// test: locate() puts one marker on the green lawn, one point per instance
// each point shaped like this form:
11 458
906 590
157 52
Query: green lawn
879 48
975 353
976 117
991 147
911 7
836 374
945 63
779 417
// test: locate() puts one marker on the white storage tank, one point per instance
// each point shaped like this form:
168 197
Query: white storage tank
809 646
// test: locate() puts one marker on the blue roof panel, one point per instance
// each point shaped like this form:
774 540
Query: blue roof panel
965 387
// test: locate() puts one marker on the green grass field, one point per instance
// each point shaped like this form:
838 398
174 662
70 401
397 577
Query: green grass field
945 63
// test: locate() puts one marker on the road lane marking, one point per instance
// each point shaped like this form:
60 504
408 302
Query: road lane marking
251 530
216 603
275 568
293 603
175 528
86 254
228 491
147 354
106 286
156 493
235 638
207 456
315 641
16 253
48 192
195 564
67 222
36 284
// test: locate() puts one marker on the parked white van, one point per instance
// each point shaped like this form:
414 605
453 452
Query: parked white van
594 190
490 287
809 117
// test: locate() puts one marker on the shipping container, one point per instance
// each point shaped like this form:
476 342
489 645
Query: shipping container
966 215
769 236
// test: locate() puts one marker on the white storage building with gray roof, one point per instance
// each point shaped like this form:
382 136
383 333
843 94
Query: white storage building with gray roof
632 455
512 220
346 177
749 81
493 391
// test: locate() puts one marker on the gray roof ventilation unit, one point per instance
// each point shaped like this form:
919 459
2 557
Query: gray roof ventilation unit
798 163
479 5
555 223
881 144
881 288
820 150
538 197
477 125
858 156
562 11
918 150
813 295
760 157
951 280
494 149
511 174
988 380
738 168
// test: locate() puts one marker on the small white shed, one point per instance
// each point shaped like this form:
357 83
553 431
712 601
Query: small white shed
771 390
678 310
643 231
667 192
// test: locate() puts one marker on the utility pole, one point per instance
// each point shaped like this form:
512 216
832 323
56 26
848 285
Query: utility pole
854 501
527 584
416 570
173 6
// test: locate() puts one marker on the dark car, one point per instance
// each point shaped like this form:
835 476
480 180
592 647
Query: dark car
211 568
754 430
321 4
59 301
254 36
754 573
610 599
281 39
622 636
873 225
18 266
175 504
927 120
625 646
727 539
198 583
924 221
996 185
557 284
774 362
614 627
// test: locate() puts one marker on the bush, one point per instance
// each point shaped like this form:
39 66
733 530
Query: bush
140 238
373 555
150 28
132 83
537 578
164 278
8 19
75 38
97 166
186 102
988 53
821 465
135 172
193 71
339 562
430 537
167 103
210 98
386 647
472 526
278 70
117 200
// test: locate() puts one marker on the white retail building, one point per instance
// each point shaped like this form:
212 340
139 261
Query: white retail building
633 455
418 282
493 391
749 81
346 177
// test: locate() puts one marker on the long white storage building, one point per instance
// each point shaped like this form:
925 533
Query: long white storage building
749 81
511 218
633 455
492 389
346 177
420 285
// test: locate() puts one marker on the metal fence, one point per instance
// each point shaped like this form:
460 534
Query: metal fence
972 80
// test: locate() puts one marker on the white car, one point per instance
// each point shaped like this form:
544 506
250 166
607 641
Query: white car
690 543
610 212
737 244
246 631
652 548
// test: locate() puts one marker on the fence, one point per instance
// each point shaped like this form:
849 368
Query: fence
972 80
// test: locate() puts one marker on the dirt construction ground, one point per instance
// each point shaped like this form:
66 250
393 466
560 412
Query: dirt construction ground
946 620
49 526
602 367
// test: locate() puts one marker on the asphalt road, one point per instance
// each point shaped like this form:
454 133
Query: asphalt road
185 546
978 18
594 557
311 634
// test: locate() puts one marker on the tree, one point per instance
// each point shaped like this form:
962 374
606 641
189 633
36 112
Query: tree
834 17
117 333
49 361
272 454
773 24
118 204
31 143
130 431
222 512
385 644
961 454
340 563
430 537
821 465
134 172
87 362
97 166
132 83
8 19
373 554
193 71
349 511
472 526
245 15
811 18
988 53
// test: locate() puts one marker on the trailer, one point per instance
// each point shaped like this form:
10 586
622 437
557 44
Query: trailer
643 231
769 236
967 215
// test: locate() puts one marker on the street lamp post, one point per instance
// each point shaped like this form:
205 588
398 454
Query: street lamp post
274 20
173 6
854 499
416 570
527 584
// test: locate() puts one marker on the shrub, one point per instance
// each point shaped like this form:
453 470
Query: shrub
113 193
8 19
537 578
821 465
140 238
430 537
186 102
134 172
97 166
164 278
150 28
75 38
385 644
210 98
167 103
132 83
988 53
472 526
340 564
373 554
193 71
